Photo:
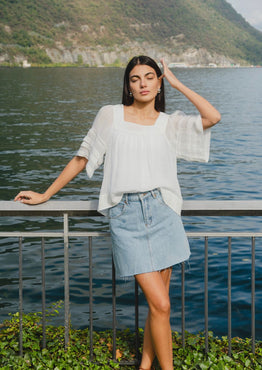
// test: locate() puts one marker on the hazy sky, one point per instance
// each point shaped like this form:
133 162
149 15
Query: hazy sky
251 10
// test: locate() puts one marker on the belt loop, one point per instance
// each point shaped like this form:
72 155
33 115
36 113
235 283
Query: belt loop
153 193
126 198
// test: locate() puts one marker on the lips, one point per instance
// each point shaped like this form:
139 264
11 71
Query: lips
144 92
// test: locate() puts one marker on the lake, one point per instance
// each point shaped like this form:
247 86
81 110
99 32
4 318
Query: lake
44 115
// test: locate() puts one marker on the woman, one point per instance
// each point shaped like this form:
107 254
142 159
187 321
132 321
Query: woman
140 193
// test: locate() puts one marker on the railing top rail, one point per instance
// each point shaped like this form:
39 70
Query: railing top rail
222 208
89 208
50 208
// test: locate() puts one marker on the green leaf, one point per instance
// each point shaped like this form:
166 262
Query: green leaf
247 363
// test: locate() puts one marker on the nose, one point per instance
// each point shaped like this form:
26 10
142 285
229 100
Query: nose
143 82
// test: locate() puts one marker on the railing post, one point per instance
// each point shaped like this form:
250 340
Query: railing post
229 309
91 298
206 294
253 288
183 303
66 279
43 293
20 297
114 308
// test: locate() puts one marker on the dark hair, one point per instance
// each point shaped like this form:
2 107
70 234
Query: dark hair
144 60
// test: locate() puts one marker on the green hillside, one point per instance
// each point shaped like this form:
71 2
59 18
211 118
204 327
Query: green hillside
31 26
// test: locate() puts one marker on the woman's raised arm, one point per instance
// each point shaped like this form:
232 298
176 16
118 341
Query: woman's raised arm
210 115
73 168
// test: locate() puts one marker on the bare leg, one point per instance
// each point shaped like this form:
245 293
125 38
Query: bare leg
157 335
148 349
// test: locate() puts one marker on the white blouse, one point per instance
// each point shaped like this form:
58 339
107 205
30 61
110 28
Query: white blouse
138 158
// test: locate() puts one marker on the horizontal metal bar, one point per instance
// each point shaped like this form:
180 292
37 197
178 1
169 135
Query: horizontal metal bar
50 208
222 208
31 234
74 234
223 234
89 208
43 234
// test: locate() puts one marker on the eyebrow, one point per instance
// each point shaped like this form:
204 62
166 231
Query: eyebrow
148 73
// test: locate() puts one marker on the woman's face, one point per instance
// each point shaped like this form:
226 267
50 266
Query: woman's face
144 83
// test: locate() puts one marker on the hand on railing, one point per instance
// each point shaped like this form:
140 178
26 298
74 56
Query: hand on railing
31 197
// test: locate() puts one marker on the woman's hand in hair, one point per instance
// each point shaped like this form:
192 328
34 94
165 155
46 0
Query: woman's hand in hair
210 115
171 78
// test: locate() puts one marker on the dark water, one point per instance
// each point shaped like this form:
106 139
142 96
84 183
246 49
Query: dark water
44 115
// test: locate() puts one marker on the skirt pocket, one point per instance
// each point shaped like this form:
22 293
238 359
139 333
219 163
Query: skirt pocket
118 210
160 200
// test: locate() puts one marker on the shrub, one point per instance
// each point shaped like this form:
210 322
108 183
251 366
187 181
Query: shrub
54 356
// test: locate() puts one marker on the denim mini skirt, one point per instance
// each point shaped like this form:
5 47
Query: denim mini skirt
147 235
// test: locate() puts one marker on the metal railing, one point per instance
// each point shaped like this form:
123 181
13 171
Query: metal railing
68 209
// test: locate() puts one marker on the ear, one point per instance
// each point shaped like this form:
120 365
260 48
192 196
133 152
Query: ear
160 81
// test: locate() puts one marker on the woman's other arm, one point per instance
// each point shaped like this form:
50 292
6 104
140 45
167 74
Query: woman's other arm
210 115
73 168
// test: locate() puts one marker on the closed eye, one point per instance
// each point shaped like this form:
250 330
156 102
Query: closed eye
149 76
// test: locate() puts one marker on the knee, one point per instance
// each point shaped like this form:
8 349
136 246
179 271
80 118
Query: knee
161 308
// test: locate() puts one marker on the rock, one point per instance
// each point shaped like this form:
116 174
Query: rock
120 54
100 56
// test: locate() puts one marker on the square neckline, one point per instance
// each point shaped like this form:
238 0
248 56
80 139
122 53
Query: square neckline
138 124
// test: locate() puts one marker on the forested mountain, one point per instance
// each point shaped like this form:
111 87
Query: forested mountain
108 31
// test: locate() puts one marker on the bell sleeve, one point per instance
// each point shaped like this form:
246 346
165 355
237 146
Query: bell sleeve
186 133
94 144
